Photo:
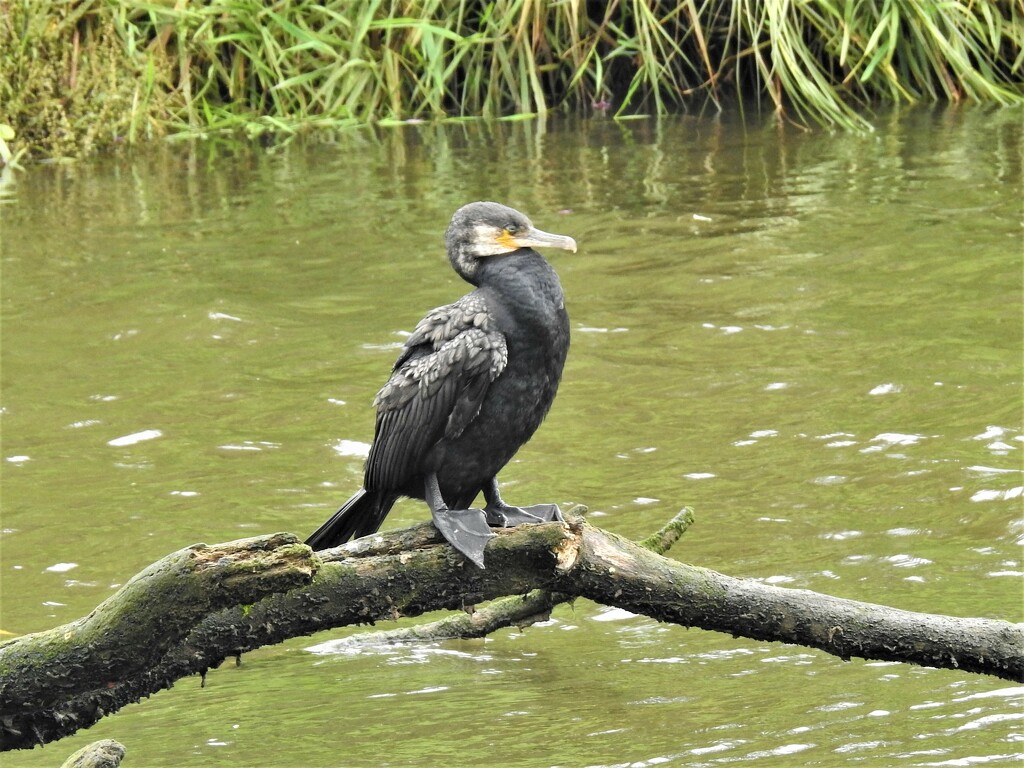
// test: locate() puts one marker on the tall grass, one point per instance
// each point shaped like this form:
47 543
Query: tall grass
79 74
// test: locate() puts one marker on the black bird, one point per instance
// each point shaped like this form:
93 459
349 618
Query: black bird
472 384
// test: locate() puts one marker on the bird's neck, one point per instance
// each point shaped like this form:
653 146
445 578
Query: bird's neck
523 279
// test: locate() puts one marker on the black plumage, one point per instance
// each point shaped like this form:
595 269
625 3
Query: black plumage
472 384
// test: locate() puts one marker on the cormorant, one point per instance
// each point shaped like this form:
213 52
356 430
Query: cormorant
471 385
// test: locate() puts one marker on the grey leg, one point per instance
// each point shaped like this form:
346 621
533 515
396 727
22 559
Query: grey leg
465 529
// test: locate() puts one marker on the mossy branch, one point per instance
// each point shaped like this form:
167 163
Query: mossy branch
100 754
516 610
55 682
153 631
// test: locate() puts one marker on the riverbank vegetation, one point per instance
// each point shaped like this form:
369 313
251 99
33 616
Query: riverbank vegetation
78 76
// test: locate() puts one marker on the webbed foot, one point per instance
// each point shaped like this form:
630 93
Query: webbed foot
466 530
505 515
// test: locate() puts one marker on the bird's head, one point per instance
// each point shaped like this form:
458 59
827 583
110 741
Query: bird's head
480 230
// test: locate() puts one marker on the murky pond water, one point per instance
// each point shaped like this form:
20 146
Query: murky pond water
814 340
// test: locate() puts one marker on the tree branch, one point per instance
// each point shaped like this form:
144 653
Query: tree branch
519 610
643 582
52 683
58 681
100 754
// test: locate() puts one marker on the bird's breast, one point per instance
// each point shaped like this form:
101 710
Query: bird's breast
525 304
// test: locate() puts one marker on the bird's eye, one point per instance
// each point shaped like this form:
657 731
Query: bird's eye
511 228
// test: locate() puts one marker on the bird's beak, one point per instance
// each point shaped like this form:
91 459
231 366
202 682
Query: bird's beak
535 238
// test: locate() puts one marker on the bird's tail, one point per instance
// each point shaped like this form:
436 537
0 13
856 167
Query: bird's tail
359 516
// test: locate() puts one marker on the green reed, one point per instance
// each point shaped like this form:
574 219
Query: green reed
82 74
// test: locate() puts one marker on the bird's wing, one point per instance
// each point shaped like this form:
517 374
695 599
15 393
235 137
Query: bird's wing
445 323
435 390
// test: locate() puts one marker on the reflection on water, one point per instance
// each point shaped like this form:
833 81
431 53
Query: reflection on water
813 340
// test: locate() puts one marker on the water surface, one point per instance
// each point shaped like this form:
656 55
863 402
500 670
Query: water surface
812 339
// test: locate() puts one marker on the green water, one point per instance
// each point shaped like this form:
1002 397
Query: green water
814 340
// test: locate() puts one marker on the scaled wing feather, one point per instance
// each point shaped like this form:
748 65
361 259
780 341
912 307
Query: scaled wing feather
436 389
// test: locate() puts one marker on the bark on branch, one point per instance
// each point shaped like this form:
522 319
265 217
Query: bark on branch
52 683
190 611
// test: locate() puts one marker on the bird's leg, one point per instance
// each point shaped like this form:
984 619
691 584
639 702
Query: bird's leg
465 529
505 515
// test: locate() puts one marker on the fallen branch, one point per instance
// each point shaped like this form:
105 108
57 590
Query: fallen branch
55 682
100 754
514 611
410 572
643 582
